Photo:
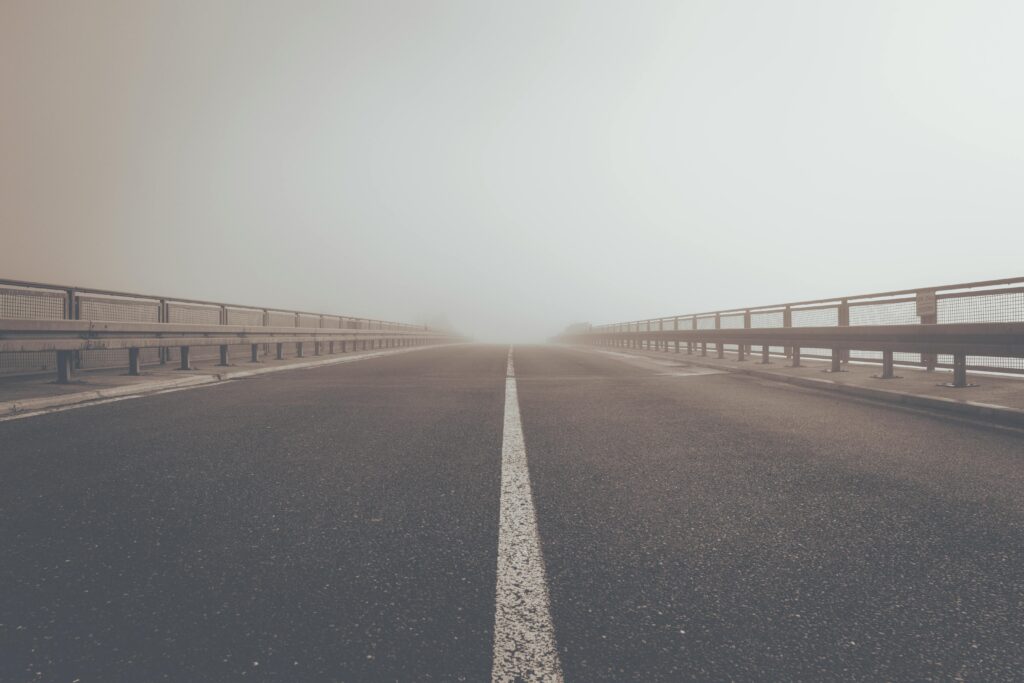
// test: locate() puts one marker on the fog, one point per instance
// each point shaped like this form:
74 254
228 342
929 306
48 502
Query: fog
513 166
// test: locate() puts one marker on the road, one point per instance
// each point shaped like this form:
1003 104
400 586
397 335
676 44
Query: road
342 524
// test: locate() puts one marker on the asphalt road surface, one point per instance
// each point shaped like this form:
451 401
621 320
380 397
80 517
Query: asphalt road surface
342 524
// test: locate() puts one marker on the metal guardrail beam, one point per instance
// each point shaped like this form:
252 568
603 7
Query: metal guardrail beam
958 340
86 335
65 337
860 322
73 322
976 339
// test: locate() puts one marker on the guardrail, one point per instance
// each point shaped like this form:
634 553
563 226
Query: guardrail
976 325
61 328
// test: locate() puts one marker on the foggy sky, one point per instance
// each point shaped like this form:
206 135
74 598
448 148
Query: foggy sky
517 166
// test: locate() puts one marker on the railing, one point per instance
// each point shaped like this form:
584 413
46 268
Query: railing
976 325
46 327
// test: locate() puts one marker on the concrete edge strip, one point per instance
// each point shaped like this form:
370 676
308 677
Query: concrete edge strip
988 411
524 636
32 406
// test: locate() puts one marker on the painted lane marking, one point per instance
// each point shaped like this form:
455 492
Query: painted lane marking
524 637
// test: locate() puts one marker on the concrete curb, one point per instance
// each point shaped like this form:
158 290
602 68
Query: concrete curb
19 406
1004 415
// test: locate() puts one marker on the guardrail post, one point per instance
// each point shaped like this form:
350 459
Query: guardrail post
837 360
742 349
69 304
280 351
764 355
960 370
185 364
266 323
223 347
298 350
746 325
787 321
255 354
689 344
675 326
844 321
718 326
74 312
887 366
161 317
795 355
64 365
133 362
928 312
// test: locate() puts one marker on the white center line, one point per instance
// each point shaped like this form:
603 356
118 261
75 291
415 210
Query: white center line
524 637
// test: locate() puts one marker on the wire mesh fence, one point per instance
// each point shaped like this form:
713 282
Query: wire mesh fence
22 303
115 309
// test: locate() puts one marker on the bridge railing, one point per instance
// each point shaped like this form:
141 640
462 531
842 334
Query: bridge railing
47 327
905 327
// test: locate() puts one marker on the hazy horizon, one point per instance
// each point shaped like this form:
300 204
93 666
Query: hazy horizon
516 167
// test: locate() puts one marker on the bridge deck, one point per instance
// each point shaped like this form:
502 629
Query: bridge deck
343 524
